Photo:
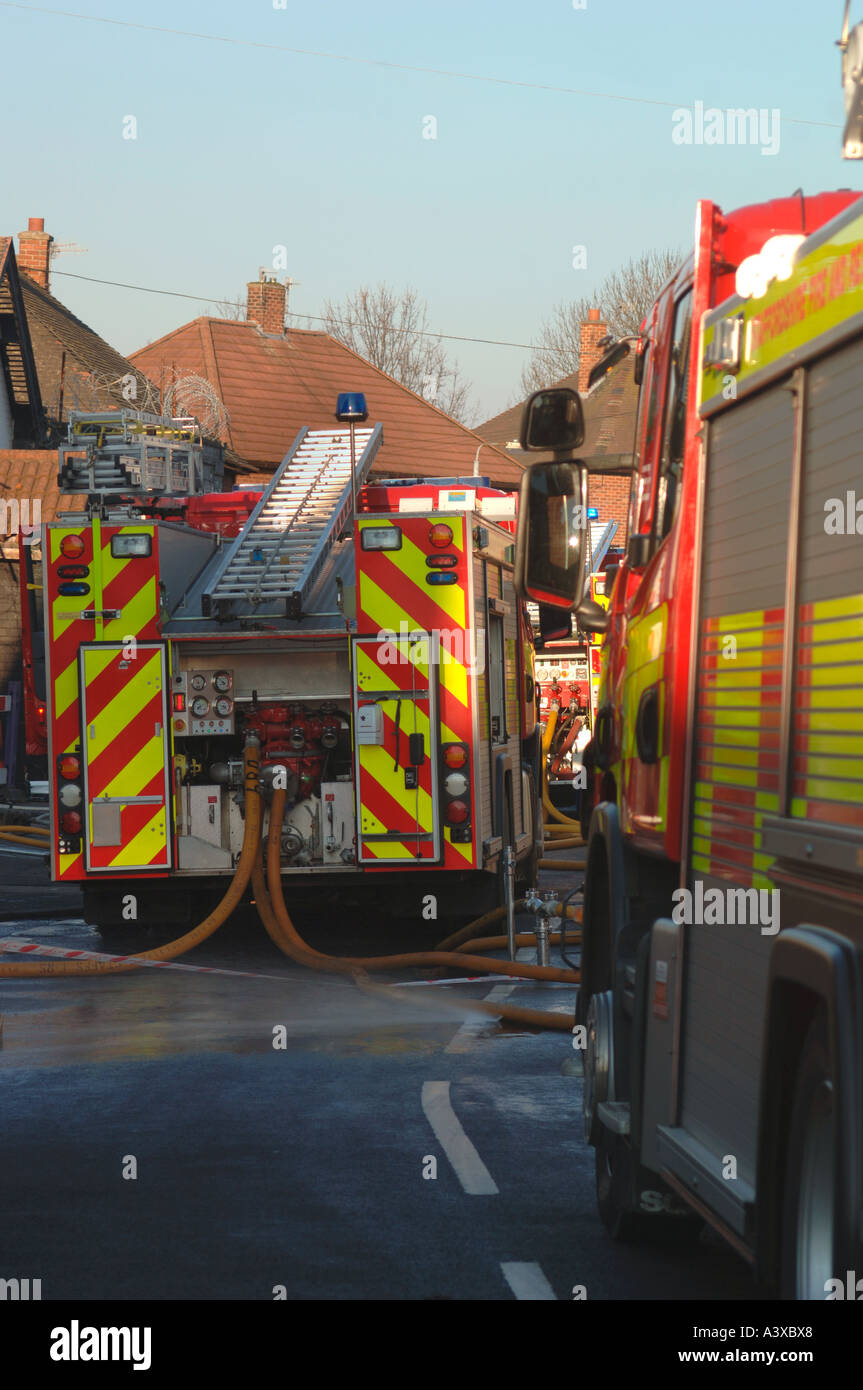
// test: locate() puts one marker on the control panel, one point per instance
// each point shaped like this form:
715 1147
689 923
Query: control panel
203 703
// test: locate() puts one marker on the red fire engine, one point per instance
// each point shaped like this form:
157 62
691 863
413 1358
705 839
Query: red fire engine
724 1035
368 633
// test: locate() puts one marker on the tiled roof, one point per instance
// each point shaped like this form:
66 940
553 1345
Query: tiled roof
31 475
274 384
91 364
609 419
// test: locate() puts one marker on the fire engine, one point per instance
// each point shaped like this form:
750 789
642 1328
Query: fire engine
568 667
367 631
722 967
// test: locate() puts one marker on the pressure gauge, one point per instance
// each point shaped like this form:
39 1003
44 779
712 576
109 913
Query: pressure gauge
223 707
200 708
222 681
198 681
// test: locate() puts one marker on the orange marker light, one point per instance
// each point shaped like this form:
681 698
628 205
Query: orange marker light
72 547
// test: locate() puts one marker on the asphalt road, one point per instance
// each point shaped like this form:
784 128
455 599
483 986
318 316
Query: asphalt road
155 1144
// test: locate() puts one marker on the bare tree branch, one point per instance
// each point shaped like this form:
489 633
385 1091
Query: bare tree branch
228 308
623 299
390 330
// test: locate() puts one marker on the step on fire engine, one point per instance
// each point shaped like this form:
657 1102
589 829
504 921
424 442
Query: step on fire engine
722 964
368 632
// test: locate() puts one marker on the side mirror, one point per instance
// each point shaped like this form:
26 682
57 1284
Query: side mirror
553 420
640 362
638 549
592 617
552 520
611 572
615 354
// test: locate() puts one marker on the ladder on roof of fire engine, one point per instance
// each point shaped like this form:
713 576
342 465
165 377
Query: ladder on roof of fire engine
601 537
281 550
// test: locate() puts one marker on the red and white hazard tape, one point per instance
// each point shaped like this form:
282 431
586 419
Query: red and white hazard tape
30 948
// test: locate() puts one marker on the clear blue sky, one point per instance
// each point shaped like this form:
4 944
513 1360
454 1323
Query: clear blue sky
239 149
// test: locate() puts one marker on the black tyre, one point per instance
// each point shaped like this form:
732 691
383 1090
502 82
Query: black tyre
809 1254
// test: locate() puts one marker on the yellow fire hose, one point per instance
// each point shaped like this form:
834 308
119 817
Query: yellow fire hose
274 914
555 820
29 970
396 962
31 841
292 944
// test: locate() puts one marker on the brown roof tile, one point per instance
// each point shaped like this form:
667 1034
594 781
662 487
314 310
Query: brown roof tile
92 370
273 384
31 475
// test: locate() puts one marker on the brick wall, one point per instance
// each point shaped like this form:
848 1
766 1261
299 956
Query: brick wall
589 351
609 493
265 305
34 251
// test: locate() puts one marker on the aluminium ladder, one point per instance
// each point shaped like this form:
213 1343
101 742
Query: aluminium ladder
280 552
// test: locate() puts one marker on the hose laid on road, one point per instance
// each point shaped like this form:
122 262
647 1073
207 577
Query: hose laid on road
289 941
284 935
251 849
26 829
32 842
561 864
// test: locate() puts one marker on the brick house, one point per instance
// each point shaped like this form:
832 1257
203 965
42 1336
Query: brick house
609 414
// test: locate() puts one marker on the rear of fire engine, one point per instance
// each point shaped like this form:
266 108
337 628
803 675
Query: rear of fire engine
722 970
368 635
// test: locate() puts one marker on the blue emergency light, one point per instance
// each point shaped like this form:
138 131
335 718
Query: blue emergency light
593 513
351 406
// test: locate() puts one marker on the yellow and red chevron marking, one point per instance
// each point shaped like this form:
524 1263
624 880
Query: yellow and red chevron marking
738 715
128 584
65 631
385 804
393 596
125 750
827 767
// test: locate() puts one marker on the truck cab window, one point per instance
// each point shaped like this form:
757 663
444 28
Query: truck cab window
674 433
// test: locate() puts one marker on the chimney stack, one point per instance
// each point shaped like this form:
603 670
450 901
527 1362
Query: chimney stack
265 304
589 352
34 251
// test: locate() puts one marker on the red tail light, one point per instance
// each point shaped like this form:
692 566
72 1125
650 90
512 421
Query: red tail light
72 547
440 535
70 823
456 812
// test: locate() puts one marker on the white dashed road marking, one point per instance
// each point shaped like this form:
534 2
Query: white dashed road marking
527 1281
469 1167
